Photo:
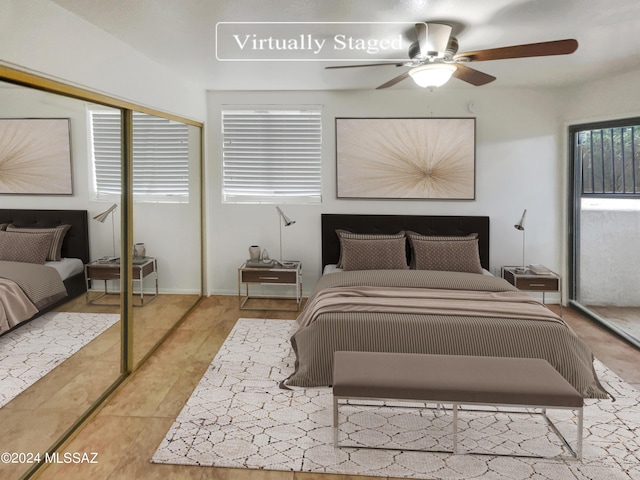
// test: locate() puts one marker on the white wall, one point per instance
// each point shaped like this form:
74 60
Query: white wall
44 38
518 166
612 98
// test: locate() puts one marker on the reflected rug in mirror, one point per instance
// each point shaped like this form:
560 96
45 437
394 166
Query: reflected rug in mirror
238 417
32 350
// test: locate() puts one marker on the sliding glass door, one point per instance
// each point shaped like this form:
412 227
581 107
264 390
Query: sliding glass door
605 273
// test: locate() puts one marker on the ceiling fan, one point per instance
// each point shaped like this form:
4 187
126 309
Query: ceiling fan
434 57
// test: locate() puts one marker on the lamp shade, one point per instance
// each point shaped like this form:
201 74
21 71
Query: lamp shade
520 224
102 217
432 74
287 221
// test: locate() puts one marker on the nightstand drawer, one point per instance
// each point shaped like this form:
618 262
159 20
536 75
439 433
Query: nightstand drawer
254 276
533 283
103 272
141 271
528 281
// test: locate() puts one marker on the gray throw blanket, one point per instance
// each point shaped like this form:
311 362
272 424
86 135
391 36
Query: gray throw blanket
41 284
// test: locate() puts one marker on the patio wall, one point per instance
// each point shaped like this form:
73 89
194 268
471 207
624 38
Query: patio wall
610 252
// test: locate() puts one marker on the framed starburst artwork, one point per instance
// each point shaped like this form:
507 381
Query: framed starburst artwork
35 156
406 158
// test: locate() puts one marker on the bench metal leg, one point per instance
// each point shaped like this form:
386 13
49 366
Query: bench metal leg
576 454
335 422
580 427
455 428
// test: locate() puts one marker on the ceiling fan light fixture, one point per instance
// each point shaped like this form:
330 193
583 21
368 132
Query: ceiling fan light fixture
432 74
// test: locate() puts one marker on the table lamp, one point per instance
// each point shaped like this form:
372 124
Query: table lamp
287 222
102 217
520 226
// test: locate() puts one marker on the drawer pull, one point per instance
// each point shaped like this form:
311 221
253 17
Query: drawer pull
269 278
537 285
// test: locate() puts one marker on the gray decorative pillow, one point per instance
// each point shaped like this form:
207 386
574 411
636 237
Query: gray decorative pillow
59 232
3 226
449 253
360 251
25 247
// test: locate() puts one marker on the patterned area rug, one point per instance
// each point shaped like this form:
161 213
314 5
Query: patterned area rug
238 417
33 350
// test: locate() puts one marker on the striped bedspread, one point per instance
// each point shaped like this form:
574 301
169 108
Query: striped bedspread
451 313
41 285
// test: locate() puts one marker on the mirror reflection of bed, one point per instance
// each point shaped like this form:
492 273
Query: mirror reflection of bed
58 239
49 355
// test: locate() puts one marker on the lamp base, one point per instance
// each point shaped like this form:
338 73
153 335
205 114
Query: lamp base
286 263
520 269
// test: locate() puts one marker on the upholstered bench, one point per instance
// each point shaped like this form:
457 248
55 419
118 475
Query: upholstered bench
456 380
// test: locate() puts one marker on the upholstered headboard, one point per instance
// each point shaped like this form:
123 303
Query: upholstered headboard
76 242
425 224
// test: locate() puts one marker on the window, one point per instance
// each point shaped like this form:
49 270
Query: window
610 156
272 155
160 156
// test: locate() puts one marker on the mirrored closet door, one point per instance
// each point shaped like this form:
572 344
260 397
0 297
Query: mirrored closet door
41 407
167 258
58 364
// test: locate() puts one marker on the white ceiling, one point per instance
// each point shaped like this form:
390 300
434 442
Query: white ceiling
181 34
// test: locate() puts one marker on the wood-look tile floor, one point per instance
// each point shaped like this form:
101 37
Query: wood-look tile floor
127 430
625 318
40 415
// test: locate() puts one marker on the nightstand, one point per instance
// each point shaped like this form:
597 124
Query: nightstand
110 270
288 274
534 282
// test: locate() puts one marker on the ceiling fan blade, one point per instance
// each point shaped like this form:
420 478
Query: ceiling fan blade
542 49
472 76
366 65
394 80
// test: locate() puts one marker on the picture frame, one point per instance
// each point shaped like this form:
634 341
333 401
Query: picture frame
35 156
406 158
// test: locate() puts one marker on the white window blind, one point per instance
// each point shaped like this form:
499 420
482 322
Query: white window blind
106 151
160 156
272 155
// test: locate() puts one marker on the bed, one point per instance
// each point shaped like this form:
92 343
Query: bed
421 284
33 282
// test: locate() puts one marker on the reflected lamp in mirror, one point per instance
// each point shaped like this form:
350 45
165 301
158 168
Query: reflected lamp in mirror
102 217
286 221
